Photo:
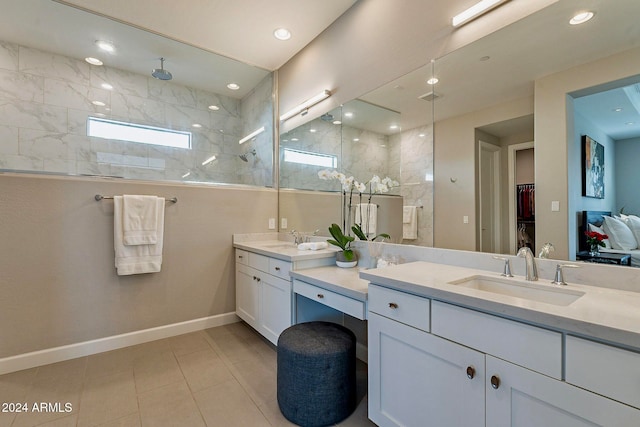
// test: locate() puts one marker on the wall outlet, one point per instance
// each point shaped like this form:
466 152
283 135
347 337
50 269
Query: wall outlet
555 206
465 219
272 223
283 223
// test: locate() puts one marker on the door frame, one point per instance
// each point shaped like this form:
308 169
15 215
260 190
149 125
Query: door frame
513 213
497 201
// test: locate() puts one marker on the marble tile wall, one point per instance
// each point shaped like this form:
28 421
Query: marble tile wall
45 100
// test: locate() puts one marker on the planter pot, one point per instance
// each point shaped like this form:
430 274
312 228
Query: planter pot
342 262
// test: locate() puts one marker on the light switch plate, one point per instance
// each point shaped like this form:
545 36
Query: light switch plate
555 206
272 223
465 219
283 223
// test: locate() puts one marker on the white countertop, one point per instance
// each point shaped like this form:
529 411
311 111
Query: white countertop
284 250
601 313
344 281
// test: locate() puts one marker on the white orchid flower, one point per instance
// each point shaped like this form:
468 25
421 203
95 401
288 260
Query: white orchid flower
375 179
360 186
324 174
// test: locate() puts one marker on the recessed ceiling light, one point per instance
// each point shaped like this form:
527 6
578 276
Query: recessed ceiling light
213 107
356 139
98 103
233 86
393 127
581 18
383 146
617 110
196 125
294 139
106 86
106 46
348 114
422 135
630 123
282 34
337 122
433 80
312 130
93 61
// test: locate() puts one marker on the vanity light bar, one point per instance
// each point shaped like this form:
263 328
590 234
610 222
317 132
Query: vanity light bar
475 11
306 104
252 135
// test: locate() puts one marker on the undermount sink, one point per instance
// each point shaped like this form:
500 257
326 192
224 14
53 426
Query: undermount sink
520 289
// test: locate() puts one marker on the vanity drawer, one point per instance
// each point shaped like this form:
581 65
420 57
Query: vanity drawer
405 308
242 257
529 346
279 268
259 262
606 370
347 305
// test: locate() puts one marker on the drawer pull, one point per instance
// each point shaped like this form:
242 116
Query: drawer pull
258 279
240 256
255 278
495 381
320 296
393 305
277 268
471 372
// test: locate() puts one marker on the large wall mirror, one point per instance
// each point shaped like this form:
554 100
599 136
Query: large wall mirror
491 151
128 113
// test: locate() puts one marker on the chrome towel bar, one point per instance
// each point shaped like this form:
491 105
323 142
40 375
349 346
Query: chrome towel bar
99 197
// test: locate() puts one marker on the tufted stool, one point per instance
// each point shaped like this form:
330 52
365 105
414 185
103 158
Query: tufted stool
316 373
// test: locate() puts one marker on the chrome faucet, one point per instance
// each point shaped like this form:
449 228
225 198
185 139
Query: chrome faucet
530 263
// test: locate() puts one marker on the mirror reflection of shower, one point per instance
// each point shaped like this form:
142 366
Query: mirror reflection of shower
245 157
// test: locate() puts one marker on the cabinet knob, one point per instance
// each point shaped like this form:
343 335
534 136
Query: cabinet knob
258 279
471 372
277 268
320 296
393 305
240 256
255 278
495 381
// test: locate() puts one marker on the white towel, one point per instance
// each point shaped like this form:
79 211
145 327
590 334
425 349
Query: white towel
137 259
410 227
312 246
368 225
140 219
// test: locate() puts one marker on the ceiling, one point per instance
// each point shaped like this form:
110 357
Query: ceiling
59 28
541 44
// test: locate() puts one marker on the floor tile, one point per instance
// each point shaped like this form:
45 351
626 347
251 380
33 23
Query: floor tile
228 405
189 343
203 369
106 398
258 379
132 420
271 411
171 405
156 371
110 362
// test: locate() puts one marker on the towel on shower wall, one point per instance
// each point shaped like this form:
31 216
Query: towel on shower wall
409 222
140 219
367 216
137 259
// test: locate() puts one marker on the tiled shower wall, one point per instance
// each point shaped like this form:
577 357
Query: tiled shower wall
45 100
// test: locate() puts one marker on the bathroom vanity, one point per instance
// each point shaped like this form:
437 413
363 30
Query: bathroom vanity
264 289
459 346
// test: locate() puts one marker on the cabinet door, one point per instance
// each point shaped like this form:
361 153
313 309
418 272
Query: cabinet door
247 294
524 398
275 306
417 379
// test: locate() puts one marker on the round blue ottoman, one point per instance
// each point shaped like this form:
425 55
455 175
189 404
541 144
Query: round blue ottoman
316 373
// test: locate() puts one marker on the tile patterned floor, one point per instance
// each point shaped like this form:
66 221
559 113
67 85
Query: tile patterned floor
220 377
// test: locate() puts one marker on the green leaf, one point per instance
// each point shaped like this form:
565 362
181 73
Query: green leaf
357 230
349 255
383 235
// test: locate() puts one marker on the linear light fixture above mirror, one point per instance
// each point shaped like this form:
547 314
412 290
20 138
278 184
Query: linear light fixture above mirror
474 11
252 135
305 105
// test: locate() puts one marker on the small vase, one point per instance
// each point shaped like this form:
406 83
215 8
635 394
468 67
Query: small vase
594 250
344 263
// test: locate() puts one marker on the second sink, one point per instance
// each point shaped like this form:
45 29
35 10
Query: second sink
519 289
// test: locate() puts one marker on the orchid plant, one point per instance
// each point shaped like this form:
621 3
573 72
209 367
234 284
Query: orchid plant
350 185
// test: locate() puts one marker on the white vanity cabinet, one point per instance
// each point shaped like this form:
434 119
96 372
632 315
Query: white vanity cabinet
263 293
418 371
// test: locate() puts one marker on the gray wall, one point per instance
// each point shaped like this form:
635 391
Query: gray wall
627 175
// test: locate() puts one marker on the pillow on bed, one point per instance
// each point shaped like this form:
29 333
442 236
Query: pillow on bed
633 222
619 234
607 243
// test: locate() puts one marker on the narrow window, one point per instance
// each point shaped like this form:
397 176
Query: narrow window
309 158
132 132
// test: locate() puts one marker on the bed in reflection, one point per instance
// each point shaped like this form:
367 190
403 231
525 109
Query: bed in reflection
623 233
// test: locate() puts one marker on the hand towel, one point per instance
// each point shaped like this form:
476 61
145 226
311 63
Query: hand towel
410 227
367 216
139 219
312 246
137 259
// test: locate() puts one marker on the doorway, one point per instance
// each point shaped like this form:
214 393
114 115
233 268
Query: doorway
521 196
489 236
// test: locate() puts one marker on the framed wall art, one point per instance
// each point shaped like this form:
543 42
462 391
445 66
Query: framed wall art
592 168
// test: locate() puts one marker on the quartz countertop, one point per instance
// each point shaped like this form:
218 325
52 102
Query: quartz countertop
605 314
284 250
344 281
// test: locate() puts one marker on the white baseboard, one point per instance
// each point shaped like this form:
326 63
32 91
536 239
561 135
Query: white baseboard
58 354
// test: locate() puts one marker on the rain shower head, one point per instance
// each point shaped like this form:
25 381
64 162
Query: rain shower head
244 157
161 73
